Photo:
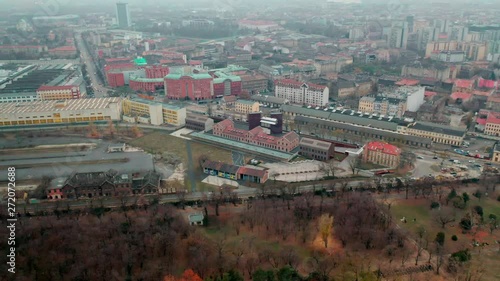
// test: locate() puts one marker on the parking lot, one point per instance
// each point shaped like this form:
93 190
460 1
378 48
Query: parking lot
454 166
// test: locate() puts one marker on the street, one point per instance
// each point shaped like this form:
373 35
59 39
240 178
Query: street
99 90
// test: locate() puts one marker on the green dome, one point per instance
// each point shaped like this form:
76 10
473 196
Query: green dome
140 61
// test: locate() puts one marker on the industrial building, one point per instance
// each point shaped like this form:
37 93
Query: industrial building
30 83
372 126
60 111
198 122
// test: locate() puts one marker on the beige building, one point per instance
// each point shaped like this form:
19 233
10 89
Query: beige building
381 153
473 50
495 157
154 113
366 104
66 111
492 126
438 133
246 106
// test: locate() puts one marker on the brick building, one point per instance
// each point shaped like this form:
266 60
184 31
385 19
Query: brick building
256 136
316 149
110 183
382 154
192 86
58 92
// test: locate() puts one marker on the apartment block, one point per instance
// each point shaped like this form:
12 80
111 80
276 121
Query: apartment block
301 93
394 102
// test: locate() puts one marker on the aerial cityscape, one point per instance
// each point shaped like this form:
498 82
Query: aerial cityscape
229 140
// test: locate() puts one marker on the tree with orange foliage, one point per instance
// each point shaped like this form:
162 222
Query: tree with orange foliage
188 275
136 132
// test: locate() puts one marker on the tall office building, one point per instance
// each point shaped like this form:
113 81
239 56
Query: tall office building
398 38
410 20
123 15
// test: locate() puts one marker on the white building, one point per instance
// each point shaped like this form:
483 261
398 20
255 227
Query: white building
18 97
413 95
449 56
301 93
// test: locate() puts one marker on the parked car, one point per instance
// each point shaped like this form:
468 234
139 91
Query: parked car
420 157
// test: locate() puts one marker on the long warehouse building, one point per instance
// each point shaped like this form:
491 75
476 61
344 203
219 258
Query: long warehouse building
60 111
374 126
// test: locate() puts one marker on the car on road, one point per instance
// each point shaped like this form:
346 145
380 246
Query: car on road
420 157
435 157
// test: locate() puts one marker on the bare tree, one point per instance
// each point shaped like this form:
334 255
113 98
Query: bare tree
444 216
354 164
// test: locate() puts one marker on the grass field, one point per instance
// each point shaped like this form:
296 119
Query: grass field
158 142
486 258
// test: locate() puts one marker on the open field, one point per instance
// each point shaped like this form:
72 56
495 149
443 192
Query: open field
158 142
419 215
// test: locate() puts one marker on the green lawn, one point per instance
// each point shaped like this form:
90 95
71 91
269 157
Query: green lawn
421 210
158 142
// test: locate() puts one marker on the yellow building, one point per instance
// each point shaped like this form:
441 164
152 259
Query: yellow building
66 111
154 113
246 106
382 154
438 133
473 50
366 104
496 154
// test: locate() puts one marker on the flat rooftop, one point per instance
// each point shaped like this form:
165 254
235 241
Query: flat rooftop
54 105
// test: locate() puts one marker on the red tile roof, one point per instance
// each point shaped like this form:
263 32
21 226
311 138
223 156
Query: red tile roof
429 94
460 95
482 93
252 172
463 83
493 117
481 121
64 49
383 147
297 84
407 82
494 98
111 60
